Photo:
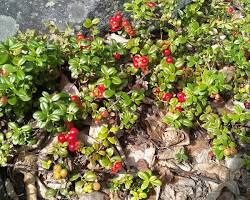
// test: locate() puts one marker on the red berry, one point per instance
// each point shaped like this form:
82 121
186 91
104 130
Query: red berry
61 138
181 97
112 19
117 56
156 90
118 16
73 146
125 23
115 29
71 137
144 60
113 170
118 165
169 60
136 65
74 98
179 108
114 24
167 96
132 32
95 92
151 4
104 113
230 10
166 52
80 37
136 59
247 105
73 131
210 155
101 88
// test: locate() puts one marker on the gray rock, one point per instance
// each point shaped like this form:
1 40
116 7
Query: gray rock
32 14
94 195
8 27
234 164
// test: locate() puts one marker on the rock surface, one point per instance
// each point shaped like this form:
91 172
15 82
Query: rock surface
25 14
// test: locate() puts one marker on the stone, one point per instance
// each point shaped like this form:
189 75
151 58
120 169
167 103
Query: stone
215 170
94 195
169 153
135 155
234 163
8 27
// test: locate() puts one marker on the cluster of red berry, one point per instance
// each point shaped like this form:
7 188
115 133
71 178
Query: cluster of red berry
116 167
99 91
141 62
79 38
71 138
102 114
117 22
77 100
167 96
169 58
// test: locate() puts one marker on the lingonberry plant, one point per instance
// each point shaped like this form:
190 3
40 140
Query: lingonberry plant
189 62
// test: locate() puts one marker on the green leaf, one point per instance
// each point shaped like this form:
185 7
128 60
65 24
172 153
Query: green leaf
116 80
115 159
112 140
79 187
111 71
55 97
179 62
39 116
10 68
16 46
95 21
156 182
153 49
44 106
89 176
187 123
50 193
12 100
87 23
143 175
46 164
4 56
238 109
74 177
110 151
142 195
26 128
12 125
108 93
104 70
54 118
23 95
145 184
105 162
20 75
202 87
72 108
